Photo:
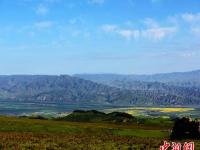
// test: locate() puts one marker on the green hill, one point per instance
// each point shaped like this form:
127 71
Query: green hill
96 116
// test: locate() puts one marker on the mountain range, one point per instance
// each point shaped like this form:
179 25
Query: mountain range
183 79
112 89
178 88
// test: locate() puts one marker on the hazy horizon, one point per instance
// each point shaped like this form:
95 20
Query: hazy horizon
96 73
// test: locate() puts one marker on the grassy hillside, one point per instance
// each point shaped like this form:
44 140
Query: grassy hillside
96 116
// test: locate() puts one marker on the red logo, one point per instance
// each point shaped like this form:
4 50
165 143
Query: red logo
165 146
188 146
177 146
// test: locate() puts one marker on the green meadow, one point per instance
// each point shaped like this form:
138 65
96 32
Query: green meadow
91 131
19 133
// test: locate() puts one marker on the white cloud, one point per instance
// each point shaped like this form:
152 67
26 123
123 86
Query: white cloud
191 18
194 22
77 20
129 34
188 54
150 29
43 7
195 30
109 27
43 24
158 33
149 22
153 33
42 10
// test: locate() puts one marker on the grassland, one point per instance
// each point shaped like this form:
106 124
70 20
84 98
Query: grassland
144 133
24 133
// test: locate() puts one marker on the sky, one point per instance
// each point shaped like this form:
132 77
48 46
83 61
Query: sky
99 36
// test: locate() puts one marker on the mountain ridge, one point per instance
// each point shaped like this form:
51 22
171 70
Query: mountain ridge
188 79
113 91
180 84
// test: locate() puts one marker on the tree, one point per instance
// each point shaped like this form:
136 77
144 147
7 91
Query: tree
185 129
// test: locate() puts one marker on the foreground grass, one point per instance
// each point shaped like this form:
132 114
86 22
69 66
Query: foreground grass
51 126
34 134
24 133
37 141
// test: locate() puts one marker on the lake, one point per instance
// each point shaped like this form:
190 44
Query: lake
21 108
17 108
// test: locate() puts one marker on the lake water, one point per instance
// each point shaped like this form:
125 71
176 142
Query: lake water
23 108
8 107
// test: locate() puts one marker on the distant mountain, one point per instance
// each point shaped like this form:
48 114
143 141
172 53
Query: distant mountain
185 85
186 79
60 89
68 89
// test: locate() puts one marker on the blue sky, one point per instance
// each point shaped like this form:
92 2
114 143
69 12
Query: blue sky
99 36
